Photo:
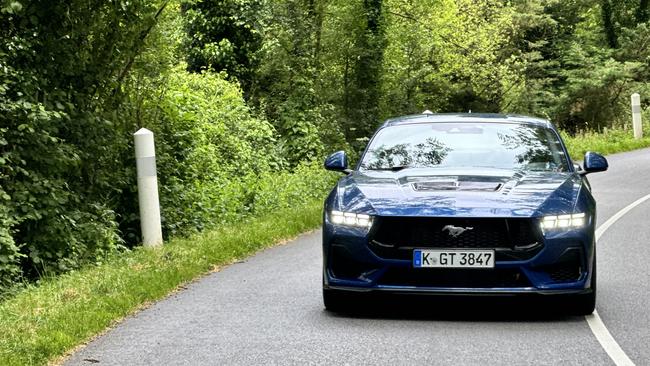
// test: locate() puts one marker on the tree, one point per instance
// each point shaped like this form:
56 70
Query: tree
446 56
60 151
223 35
362 103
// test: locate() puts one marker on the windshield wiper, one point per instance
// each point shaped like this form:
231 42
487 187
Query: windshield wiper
395 168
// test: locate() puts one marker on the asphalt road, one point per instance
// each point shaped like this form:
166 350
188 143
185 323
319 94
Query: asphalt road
268 310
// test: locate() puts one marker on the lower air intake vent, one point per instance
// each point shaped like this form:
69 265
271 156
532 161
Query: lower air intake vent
458 278
568 268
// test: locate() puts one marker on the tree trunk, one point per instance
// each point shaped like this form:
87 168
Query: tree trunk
608 24
364 108
642 12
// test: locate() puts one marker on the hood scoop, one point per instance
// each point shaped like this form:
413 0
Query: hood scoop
512 183
456 185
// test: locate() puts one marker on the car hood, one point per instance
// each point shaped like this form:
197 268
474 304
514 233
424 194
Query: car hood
459 192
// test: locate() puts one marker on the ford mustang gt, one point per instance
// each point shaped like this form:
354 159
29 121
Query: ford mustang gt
462 204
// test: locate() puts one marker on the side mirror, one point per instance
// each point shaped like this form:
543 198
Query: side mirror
338 162
594 163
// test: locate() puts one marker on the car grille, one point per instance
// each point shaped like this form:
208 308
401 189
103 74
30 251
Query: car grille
513 239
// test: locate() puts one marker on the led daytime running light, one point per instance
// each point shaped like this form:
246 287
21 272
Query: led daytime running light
350 219
563 221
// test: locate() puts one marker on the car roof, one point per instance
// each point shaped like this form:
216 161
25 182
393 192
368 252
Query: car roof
429 117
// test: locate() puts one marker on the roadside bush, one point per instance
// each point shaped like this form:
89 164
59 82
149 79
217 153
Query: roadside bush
60 143
279 190
608 142
50 220
9 251
217 162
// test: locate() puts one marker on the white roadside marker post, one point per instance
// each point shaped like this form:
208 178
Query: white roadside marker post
145 159
636 116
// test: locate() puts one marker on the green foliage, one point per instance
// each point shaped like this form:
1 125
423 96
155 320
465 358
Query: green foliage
610 141
595 83
223 35
447 56
61 64
281 191
364 91
209 148
9 251
580 61
289 84
78 78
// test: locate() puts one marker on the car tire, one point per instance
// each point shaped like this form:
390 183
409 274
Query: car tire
585 304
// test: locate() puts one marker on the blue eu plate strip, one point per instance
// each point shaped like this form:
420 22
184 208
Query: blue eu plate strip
417 258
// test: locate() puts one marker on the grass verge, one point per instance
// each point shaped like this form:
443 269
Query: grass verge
43 322
609 142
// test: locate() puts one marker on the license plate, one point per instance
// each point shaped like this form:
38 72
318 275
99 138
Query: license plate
428 258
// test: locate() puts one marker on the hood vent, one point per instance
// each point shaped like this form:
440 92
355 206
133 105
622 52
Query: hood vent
456 185
512 183
439 185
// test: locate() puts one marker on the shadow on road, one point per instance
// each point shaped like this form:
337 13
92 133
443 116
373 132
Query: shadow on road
457 308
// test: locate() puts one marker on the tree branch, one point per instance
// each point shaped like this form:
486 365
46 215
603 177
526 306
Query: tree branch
416 20
143 36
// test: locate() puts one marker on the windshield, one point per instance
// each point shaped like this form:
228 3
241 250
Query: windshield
460 145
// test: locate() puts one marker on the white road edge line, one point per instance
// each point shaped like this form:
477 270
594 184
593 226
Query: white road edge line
606 340
596 324
602 228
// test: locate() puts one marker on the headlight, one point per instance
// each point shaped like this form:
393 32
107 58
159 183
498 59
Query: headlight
563 221
350 219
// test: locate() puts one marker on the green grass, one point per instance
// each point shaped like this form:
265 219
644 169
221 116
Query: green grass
43 322
610 142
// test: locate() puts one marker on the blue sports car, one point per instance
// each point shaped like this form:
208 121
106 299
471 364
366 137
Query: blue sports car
462 204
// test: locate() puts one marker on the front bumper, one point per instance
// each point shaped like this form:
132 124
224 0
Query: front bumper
458 291
562 266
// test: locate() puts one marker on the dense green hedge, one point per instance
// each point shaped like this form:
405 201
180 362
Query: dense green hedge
210 147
